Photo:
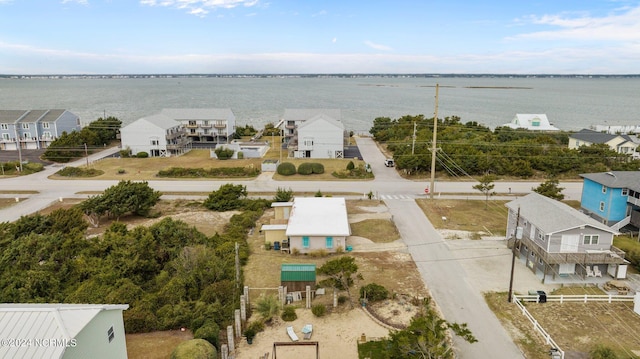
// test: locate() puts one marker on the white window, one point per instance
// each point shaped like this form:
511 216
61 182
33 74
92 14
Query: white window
590 239
601 206
46 134
5 136
45 125
154 142
604 189
4 126
26 135
25 126
625 192
308 142
540 236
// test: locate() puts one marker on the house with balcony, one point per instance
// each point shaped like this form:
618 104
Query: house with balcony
157 135
205 126
308 224
531 122
624 144
613 198
556 240
314 133
34 129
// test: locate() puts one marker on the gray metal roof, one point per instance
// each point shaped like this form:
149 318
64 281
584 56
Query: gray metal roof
616 179
552 216
45 321
13 116
303 114
197 113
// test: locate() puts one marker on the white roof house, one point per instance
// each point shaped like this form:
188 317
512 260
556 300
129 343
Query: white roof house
158 135
205 125
319 137
533 122
318 216
62 331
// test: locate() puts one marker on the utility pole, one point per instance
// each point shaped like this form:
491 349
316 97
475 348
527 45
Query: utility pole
413 145
518 236
86 154
237 260
433 147
15 129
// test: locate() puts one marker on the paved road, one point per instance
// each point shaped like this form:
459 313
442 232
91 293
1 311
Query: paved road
443 275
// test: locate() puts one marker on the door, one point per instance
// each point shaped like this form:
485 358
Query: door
569 243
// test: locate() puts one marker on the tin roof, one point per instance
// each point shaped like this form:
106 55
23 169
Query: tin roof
295 272
318 216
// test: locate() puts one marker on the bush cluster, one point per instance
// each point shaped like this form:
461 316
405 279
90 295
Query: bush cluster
181 172
289 314
374 292
224 153
286 169
308 168
79 172
319 310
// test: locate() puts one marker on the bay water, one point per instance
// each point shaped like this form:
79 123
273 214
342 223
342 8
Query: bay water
570 102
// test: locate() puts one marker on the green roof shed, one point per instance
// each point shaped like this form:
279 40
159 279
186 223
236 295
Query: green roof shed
298 273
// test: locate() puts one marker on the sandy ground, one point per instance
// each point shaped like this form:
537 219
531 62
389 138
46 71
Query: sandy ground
336 334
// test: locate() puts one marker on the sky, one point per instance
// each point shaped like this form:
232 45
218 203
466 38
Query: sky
313 36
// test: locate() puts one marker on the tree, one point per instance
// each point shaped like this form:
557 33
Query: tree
486 186
228 197
550 188
340 274
427 337
283 195
125 197
268 307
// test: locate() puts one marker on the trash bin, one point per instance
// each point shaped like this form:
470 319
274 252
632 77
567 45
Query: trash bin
276 246
542 296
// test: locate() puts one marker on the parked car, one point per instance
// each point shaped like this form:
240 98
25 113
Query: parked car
388 162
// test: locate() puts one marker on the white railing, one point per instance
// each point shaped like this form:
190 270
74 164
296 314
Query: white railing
536 326
616 227
518 299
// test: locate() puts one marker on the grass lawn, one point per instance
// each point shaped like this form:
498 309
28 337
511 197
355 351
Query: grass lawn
576 327
155 345
382 230
466 215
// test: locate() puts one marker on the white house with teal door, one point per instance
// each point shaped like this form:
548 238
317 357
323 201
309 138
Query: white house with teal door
318 223
612 198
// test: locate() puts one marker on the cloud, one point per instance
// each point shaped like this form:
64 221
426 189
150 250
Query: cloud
623 25
377 46
320 13
198 7
334 40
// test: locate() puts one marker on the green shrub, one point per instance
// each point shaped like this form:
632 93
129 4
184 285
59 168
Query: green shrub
286 169
305 169
209 332
289 314
318 194
142 154
181 172
374 292
79 172
240 155
125 153
194 349
319 310
318 168
342 299
224 153
350 166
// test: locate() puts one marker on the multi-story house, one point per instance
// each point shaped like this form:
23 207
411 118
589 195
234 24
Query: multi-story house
205 126
157 135
557 240
314 133
34 129
612 198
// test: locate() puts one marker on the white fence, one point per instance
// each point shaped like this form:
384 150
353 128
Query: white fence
561 299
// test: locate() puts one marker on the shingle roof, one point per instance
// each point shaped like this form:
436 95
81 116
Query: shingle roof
45 321
616 179
318 216
552 216
320 117
11 116
303 114
592 136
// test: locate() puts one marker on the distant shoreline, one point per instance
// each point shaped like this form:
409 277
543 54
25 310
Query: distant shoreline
373 75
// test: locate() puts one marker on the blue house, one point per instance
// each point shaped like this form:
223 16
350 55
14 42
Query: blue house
612 198
34 129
